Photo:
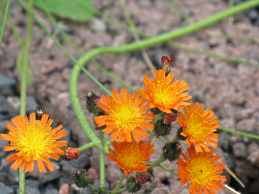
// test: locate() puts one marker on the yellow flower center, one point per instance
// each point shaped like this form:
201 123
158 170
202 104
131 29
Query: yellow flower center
34 141
132 157
163 96
196 129
127 117
201 170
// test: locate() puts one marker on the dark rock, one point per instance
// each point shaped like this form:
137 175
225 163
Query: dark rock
253 154
240 150
50 176
7 85
51 190
6 189
5 109
224 141
32 190
254 187
31 104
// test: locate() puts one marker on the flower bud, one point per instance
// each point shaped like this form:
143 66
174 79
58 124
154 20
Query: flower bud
162 129
132 185
167 62
169 118
72 153
142 178
171 151
81 178
91 100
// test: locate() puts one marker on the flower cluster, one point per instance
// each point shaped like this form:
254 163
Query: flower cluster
129 119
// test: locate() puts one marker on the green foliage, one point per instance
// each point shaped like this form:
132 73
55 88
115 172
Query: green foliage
77 10
4 9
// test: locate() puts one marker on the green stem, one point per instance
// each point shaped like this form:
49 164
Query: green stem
243 134
24 70
102 164
22 182
86 146
5 16
149 42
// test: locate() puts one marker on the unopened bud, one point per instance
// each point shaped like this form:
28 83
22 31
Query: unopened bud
143 178
91 100
169 118
171 151
132 185
72 153
167 62
81 178
162 129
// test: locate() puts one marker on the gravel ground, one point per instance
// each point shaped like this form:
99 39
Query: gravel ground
232 90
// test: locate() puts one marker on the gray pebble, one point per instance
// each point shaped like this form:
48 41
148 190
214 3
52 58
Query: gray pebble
5 189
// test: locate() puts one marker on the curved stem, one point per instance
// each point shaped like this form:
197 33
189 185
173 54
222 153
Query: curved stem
149 42
86 146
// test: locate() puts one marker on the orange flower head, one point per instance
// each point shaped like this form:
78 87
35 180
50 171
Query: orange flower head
131 157
127 116
165 93
201 171
33 142
199 127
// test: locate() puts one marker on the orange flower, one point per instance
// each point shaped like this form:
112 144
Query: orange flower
131 157
165 93
33 142
199 127
201 171
127 116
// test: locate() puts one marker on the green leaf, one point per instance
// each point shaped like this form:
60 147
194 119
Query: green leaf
78 10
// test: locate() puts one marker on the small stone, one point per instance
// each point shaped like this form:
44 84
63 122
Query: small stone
51 175
32 190
253 156
161 190
51 190
64 189
240 150
7 85
31 104
224 141
5 189
98 25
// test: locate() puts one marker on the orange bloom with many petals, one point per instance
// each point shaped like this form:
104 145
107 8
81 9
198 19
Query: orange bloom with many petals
201 171
127 116
33 142
199 127
165 93
131 157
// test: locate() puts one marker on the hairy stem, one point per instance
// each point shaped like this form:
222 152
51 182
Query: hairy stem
86 146
6 5
23 80
243 134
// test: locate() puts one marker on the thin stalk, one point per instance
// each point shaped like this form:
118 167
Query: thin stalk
102 165
22 189
243 134
102 87
146 43
23 81
5 16
86 146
